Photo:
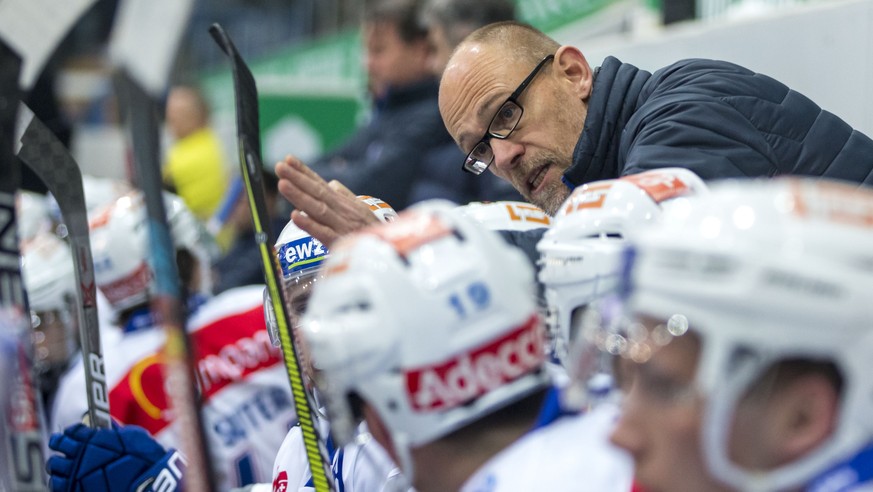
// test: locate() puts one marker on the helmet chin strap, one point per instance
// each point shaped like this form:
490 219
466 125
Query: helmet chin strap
404 455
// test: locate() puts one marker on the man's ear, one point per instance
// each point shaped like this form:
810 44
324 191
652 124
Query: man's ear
808 413
570 64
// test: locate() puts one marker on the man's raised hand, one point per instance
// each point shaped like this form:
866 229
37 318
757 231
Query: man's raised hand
327 211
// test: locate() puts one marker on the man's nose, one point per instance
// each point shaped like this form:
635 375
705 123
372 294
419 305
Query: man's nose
507 154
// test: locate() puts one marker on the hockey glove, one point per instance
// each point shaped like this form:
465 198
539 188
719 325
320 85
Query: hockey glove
121 459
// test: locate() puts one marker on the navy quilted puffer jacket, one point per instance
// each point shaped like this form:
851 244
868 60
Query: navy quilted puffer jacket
715 118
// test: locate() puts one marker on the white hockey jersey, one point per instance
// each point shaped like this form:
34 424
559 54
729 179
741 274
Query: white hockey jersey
362 466
247 408
573 454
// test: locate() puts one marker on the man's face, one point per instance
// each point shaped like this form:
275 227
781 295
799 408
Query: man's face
660 424
477 82
392 61
183 115
662 418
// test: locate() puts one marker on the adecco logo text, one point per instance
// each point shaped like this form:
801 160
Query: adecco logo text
477 372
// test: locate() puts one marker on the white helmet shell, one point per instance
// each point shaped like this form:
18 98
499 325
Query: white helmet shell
300 258
99 193
781 269
506 215
32 214
431 319
581 254
49 274
120 242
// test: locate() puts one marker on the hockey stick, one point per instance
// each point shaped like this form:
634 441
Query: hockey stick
54 165
22 420
144 42
166 299
249 141
26 29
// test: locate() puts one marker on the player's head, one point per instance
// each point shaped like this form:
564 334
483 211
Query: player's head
300 259
120 244
49 278
746 343
396 46
506 215
581 253
428 323
450 21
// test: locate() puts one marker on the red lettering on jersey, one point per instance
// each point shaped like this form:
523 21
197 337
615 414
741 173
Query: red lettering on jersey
469 375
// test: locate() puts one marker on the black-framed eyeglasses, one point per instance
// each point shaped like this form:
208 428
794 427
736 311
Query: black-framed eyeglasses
502 125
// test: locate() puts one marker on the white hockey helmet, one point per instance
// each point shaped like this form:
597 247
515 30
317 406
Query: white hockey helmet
431 319
506 215
761 272
99 193
48 273
581 254
120 245
32 214
300 258
49 277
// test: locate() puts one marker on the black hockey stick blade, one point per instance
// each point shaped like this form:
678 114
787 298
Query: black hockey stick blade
166 301
21 453
51 161
248 134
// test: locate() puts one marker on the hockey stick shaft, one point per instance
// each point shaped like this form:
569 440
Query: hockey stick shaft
251 165
54 165
166 302
22 419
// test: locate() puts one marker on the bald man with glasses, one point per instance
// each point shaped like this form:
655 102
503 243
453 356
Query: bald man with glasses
536 114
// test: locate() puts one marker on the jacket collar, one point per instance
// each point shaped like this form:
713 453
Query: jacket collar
614 99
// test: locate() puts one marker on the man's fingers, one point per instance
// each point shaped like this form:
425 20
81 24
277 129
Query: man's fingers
325 234
341 188
331 209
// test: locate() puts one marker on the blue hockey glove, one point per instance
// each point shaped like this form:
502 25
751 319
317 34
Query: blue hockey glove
121 459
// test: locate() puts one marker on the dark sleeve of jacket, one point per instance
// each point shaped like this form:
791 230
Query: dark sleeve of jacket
721 120
382 159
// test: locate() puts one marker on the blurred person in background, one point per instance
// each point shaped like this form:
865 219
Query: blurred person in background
246 399
448 22
195 167
387 156
50 280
